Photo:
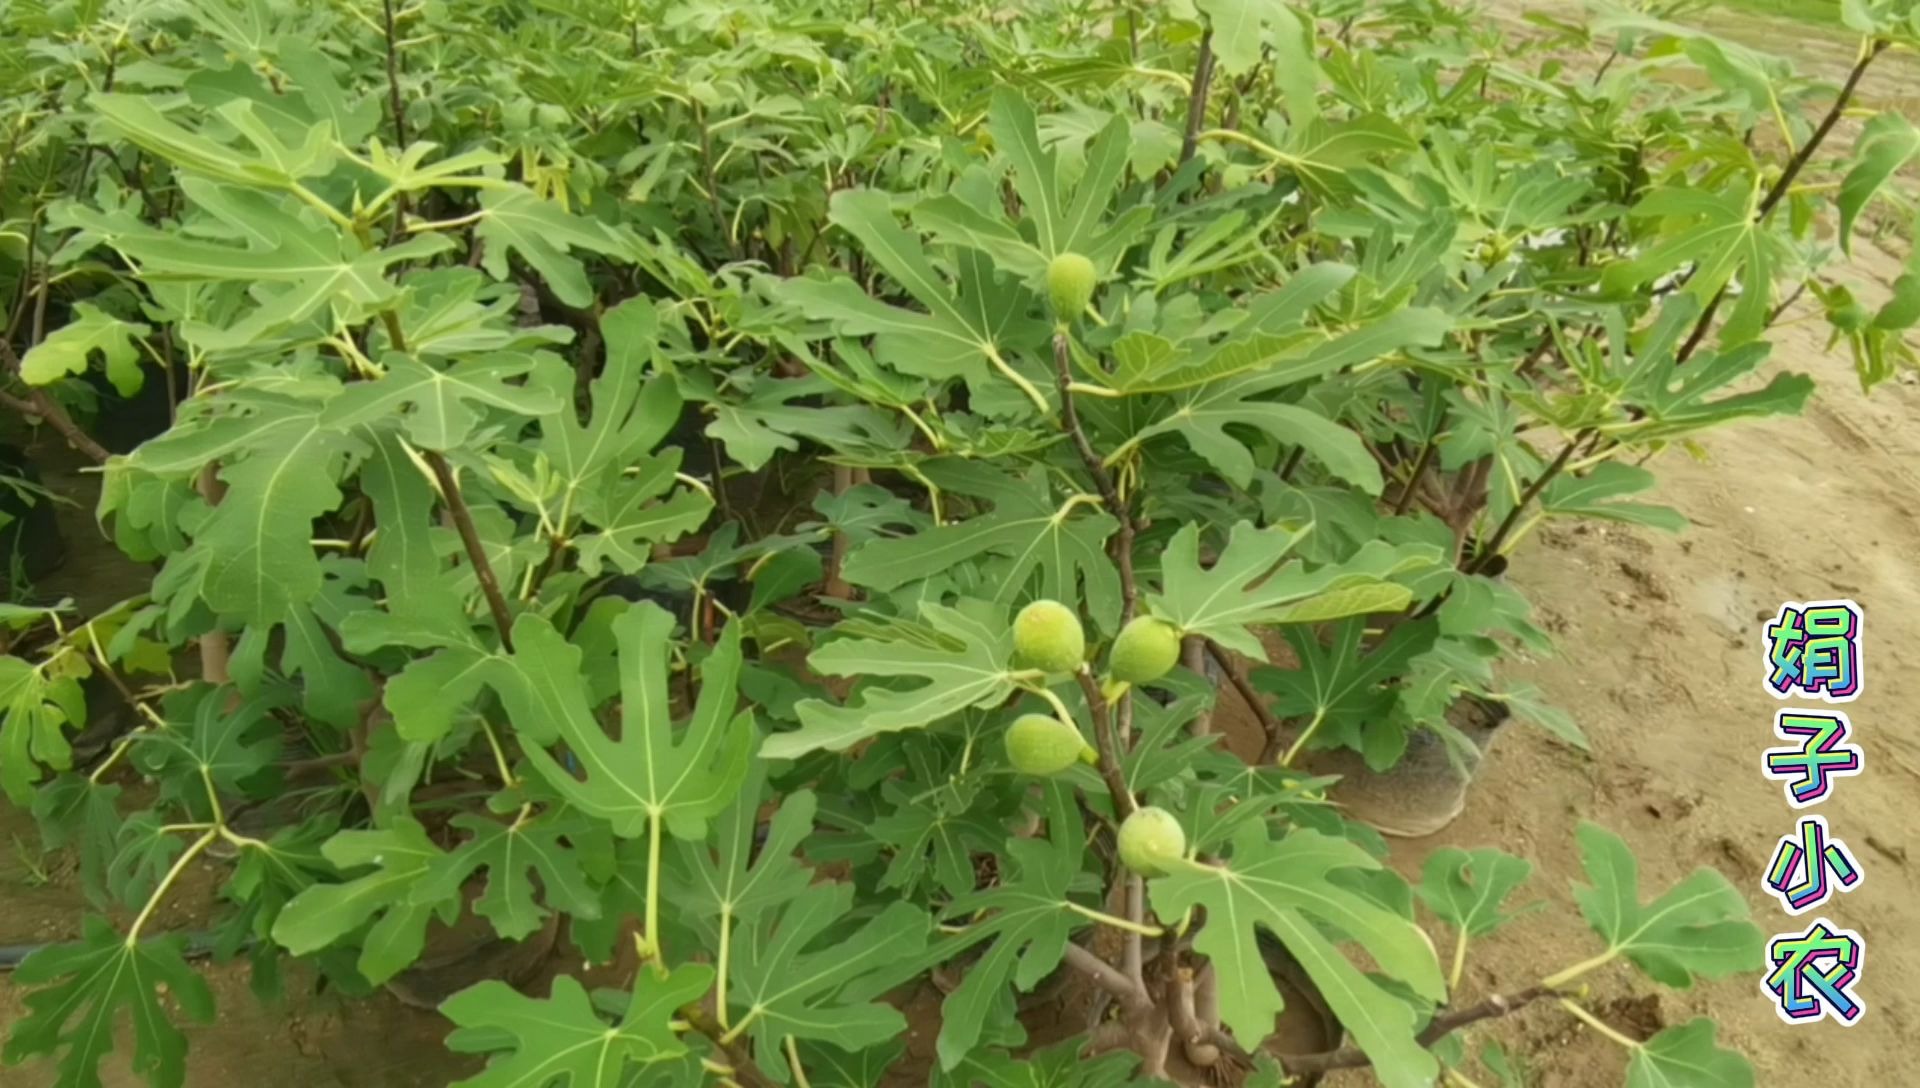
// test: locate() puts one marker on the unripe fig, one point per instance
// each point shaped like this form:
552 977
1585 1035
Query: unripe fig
1144 650
1047 635
1042 745
1150 840
1070 283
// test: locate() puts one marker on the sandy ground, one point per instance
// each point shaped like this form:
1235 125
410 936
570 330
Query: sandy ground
1660 641
1660 663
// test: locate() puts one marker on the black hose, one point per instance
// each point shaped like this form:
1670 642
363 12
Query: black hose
199 946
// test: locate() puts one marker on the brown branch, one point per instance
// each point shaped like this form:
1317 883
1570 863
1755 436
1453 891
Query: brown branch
1268 723
1785 183
1353 1057
1206 997
1787 303
1193 657
360 742
1070 423
462 516
1133 952
835 585
39 329
1606 64
38 403
1197 97
396 107
1538 354
476 551
706 171
1123 802
1806 152
1131 995
1415 478
26 292
1492 545
1108 735
744 1069
394 104
215 647
320 763
142 714
1292 462
1102 479
1186 1024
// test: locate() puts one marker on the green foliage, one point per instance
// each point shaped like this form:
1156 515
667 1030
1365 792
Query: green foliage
653 774
963 655
322 915
1687 1055
85 988
1466 888
562 1040
1289 888
648 418
1697 929
69 348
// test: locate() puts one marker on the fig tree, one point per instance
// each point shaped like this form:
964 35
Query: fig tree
1047 636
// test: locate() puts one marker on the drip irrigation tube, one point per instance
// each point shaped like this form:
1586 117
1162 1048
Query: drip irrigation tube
199 946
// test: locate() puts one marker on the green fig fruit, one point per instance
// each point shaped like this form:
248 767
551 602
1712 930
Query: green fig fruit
1047 635
1150 840
1041 745
1144 651
1070 283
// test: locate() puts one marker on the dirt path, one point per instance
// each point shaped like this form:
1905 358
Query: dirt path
1660 662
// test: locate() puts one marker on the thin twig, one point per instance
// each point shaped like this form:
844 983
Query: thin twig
1292 462
462 516
1268 723
1109 751
1534 358
319 763
1820 133
360 741
744 1069
1096 468
39 403
396 107
1785 183
45 407
1787 303
1492 545
1415 478
1350 1057
706 171
1606 64
476 551
1197 97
